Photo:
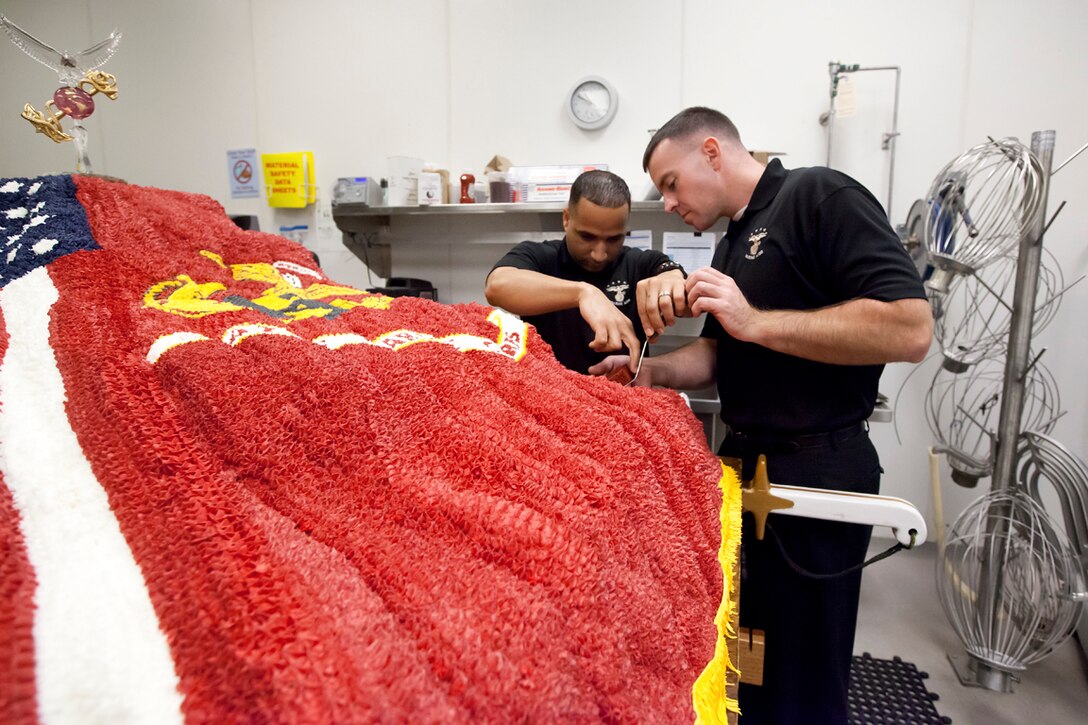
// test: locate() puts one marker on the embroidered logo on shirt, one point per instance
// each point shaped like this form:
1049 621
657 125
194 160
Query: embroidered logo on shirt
754 240
618 292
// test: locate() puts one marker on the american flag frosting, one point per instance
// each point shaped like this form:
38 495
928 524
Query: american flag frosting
233 490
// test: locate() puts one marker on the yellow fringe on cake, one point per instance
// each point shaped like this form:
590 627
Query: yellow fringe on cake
708 694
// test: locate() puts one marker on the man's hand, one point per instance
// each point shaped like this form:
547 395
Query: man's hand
612 363
690 367
611 327
717 294
661 299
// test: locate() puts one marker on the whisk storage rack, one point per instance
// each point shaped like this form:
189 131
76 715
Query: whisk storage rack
1010 582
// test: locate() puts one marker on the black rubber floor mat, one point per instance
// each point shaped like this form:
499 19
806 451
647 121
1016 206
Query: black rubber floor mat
890 692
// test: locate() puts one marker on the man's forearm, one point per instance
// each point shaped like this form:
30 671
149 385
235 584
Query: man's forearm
525 292
859 332
690 367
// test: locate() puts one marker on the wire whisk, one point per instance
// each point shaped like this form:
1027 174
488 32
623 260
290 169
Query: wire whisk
979 206
1009 581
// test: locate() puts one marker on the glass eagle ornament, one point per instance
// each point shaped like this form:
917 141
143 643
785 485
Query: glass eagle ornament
80 82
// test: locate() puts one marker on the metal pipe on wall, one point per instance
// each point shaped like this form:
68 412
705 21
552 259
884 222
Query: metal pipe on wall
836 71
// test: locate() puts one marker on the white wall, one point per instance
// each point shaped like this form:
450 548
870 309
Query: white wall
458 81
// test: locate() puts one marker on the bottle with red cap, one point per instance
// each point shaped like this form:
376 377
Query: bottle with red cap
468 184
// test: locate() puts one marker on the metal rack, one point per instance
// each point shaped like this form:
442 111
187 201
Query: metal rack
1008 579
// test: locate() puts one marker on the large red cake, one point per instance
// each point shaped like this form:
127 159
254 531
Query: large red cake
234 490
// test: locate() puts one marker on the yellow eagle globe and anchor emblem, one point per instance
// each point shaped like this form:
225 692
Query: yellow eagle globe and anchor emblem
285 298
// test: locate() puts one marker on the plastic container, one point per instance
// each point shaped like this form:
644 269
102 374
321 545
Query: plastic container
499 188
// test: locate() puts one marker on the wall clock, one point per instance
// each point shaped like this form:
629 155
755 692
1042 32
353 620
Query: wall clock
592 103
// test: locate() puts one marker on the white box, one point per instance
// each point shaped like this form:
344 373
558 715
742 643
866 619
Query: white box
547 192
546 183
404 180
430 188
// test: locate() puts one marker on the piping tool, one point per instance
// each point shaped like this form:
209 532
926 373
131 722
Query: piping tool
641 357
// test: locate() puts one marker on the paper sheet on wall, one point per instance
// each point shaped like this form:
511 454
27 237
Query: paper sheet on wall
690 250
846 102
639 239
242 164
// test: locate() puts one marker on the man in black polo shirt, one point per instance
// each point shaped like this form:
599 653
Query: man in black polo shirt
583 293
810 293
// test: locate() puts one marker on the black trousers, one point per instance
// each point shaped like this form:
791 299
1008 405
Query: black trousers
808 623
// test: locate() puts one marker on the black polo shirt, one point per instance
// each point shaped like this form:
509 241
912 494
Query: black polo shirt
565 330
809 238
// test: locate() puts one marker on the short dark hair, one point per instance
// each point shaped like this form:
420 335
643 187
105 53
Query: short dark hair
602 188
689 122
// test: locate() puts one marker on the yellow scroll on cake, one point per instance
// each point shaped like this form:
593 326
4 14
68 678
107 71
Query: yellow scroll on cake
711 694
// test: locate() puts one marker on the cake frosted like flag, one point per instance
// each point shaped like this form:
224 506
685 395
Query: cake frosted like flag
233 489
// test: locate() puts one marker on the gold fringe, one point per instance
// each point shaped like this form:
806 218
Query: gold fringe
708 695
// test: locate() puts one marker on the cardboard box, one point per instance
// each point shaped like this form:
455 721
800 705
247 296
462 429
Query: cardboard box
764 156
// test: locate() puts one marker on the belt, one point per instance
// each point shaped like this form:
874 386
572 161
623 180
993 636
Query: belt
769 442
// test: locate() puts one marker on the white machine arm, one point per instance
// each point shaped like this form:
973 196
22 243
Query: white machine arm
857 508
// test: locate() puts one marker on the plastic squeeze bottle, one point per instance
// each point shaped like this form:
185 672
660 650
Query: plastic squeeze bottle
468 181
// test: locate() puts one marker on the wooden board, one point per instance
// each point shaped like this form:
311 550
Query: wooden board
750 648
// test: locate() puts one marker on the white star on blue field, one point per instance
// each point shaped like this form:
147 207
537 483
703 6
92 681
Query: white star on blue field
40 221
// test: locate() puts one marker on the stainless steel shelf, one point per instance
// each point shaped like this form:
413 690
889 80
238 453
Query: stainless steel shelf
355 209
367 229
